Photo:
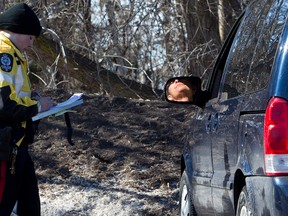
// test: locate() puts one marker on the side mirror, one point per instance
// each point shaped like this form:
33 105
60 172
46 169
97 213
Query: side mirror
185 89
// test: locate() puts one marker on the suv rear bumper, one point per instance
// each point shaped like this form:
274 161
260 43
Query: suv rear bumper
269 194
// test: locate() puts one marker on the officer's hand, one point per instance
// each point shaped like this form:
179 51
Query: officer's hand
45 103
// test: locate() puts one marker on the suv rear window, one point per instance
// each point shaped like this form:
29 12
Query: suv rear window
245 42
266 48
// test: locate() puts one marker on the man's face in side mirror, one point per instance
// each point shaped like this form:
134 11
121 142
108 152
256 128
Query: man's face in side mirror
180 89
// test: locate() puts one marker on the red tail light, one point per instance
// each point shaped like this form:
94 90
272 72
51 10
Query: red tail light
276 137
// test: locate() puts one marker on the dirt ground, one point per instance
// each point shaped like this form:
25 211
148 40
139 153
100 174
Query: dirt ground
125 159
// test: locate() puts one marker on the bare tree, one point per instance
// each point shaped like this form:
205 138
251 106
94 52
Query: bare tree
208 23
147 41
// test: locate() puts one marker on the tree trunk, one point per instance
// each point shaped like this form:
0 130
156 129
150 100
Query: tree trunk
2 6
202 34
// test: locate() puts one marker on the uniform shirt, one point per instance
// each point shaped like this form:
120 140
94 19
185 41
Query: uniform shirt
16 105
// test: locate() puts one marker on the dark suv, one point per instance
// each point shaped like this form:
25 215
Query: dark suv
235 158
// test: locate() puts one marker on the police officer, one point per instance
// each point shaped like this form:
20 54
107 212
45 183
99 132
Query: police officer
19 26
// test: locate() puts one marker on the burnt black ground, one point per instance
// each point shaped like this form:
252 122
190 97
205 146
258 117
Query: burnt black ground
122 146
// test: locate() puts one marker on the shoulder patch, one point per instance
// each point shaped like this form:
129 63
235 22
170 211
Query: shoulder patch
6 62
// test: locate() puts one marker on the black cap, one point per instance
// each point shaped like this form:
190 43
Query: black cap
21 19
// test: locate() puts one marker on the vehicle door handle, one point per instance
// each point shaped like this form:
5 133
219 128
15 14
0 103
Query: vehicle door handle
215 122
209 124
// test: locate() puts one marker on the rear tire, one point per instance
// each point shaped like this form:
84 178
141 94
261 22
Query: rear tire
186 204
244 205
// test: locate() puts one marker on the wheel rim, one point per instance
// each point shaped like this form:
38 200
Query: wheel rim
184 201
243 211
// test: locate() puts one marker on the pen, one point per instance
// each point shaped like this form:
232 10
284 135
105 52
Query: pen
37 94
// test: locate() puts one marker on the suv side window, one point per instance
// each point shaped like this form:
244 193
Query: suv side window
238 64
215 77
266 48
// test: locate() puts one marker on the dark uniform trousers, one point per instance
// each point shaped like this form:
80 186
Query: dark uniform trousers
21 187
